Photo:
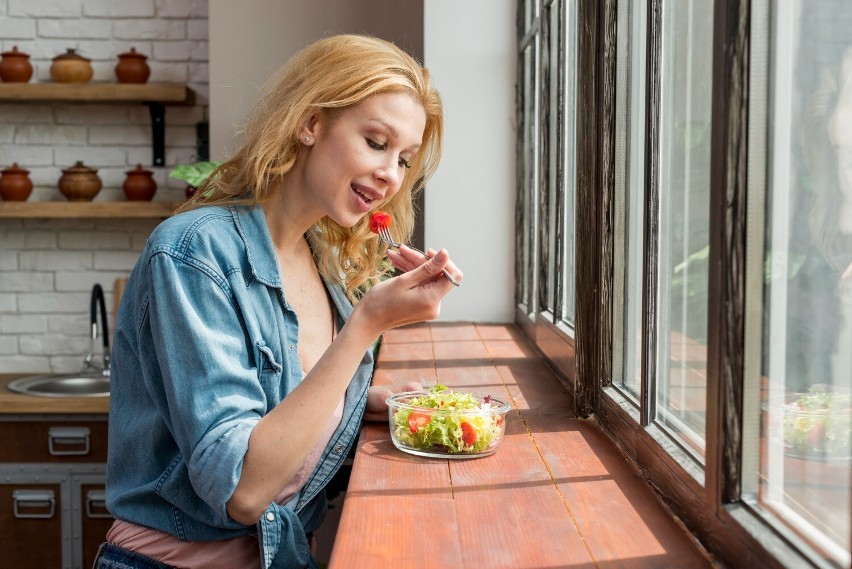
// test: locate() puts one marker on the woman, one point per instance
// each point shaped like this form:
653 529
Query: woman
819 280
237 390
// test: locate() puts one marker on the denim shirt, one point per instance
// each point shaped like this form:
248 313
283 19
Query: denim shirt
205 345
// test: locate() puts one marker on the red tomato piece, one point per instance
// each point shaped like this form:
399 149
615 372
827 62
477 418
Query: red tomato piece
379 220
468 434
417 420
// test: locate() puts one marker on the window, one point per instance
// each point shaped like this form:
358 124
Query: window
685 230
801 374
676 234
546 228
528 212
683 195
629 195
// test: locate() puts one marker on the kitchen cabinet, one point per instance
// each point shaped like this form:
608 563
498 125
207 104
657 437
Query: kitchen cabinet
52 474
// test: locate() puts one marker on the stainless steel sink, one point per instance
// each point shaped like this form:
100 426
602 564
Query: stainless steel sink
62 385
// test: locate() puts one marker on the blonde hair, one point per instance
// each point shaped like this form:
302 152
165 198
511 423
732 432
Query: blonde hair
327 76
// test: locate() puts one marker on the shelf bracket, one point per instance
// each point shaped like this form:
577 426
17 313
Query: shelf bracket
158 132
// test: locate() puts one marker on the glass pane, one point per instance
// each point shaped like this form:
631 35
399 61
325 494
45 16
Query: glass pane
807 326
530 179
569 175
629 194
550 166
531 8
684 190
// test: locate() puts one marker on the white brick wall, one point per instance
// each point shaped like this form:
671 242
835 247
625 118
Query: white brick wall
48 267
47 270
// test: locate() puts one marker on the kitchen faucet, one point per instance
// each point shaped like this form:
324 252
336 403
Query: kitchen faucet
98 300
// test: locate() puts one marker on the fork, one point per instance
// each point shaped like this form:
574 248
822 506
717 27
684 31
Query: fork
386 237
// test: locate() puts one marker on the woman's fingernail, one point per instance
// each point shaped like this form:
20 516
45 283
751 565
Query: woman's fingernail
441 256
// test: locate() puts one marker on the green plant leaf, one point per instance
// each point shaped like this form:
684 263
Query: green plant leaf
194 174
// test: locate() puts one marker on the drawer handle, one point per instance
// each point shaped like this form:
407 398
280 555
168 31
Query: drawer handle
41 504
96 499
74 439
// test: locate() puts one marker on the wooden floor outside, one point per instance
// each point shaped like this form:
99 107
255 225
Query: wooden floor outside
556 494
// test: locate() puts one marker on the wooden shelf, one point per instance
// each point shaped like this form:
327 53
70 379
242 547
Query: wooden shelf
70 210
164 93
154 95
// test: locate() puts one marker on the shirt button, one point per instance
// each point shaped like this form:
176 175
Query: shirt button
290 347
270 516
338 449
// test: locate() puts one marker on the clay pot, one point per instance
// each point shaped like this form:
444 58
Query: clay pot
71 68
79 183
15 66
132 68
15 184
139 185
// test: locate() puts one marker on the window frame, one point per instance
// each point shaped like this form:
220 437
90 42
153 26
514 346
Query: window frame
539 321
706 499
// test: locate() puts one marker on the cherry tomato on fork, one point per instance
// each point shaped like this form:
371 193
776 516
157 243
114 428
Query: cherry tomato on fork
379 220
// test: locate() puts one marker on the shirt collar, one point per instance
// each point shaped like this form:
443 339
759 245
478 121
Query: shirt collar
251 224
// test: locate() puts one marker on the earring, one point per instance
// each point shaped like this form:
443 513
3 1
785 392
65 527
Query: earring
308 139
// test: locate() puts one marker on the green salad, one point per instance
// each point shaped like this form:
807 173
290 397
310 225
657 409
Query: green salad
443 422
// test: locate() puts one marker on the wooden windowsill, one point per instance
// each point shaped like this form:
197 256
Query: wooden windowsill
557 493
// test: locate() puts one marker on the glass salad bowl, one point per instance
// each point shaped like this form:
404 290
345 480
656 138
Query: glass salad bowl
440 423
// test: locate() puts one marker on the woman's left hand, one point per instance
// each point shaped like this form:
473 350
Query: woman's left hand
377 408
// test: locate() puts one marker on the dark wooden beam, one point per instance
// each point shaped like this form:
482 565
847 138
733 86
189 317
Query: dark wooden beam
726 292
588 207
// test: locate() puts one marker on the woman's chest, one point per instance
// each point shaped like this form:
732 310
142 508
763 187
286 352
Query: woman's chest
307 296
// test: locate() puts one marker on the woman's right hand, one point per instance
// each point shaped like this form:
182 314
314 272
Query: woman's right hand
414 296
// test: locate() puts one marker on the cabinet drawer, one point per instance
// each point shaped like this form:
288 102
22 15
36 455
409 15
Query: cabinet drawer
53 441
31 518
96 521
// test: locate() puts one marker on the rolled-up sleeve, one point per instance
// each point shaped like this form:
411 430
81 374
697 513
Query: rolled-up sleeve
210 388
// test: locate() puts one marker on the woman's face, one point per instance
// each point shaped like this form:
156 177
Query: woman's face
358 159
